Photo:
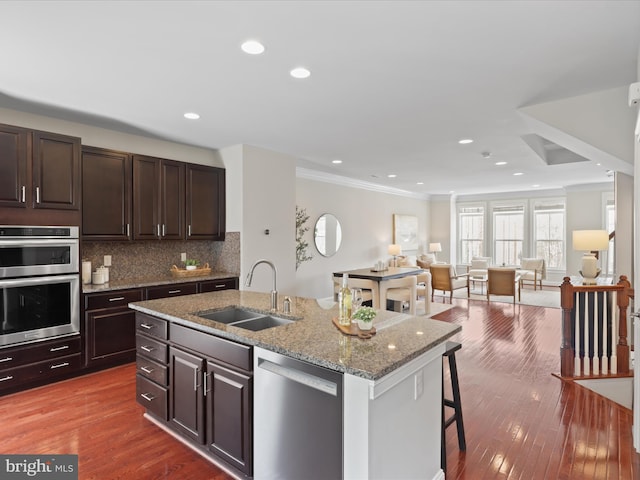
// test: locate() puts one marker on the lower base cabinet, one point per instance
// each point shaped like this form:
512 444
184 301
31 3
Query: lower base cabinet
209 390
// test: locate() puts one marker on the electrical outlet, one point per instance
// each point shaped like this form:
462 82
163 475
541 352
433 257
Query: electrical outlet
418 385
107 260
183 257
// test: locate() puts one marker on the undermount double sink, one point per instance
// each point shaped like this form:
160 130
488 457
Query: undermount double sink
243 318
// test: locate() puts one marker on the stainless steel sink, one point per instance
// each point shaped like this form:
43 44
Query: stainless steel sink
247 319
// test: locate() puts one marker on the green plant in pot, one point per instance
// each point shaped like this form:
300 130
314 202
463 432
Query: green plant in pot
191 264
365 316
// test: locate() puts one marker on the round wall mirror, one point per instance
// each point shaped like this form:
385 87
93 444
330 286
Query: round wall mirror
327 235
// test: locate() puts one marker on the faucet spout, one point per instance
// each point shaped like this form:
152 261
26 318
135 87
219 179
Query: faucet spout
274 291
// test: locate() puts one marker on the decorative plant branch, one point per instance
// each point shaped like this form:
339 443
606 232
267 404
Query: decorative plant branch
301 243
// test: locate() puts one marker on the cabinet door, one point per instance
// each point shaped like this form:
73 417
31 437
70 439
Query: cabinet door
110 336
186 404
106 194
146 198
228 404
13 166
56 171
172 200
205 203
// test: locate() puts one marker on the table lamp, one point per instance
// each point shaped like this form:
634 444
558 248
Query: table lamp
591 242
434 248
395 250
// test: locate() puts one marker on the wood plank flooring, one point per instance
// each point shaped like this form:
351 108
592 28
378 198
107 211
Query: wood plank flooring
521 422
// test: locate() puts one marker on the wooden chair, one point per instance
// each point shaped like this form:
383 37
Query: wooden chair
424 289
370 289
503 281
444 277
400 290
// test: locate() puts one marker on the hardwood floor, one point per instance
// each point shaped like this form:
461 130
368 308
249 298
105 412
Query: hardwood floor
521 422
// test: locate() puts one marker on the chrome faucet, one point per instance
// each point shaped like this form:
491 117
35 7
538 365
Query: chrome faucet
274 292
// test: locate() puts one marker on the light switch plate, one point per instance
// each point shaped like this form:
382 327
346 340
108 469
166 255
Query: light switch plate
183 257
107 260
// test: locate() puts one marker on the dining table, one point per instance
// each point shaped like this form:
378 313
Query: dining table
381 276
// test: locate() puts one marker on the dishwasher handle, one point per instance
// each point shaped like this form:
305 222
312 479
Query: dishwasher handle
299 376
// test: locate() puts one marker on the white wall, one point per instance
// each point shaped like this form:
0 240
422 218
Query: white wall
624 226
366 218
103 138
442 223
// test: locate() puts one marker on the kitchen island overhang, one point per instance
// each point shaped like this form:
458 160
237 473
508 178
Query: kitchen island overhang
392 381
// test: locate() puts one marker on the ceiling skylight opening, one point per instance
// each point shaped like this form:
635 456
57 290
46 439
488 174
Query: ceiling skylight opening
517 174
252 47
501 163
392 175
300 72
191 116
465 141
336 161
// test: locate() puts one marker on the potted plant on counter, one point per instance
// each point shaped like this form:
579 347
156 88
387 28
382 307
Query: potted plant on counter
365 316
191 264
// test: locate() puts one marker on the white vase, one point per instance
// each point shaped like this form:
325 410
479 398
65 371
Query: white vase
364 325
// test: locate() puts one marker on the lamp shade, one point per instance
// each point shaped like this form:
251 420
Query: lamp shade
590 240
435 247
395 249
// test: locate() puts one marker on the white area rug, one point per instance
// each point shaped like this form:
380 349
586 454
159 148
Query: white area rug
539 298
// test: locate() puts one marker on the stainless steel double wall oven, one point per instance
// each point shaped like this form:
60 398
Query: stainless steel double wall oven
39 283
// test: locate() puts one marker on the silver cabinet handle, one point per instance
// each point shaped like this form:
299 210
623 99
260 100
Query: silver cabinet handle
147 369
171 292
148 397
6 359
222 285
24 194
189 231
147 326
206 384
157 230
128 233
147 349
59 365
57 349
4 379
163 232
115 299
37 194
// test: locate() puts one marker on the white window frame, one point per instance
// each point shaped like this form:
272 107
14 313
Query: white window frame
551 203
505 205
460 211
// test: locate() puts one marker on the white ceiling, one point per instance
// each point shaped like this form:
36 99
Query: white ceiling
393 87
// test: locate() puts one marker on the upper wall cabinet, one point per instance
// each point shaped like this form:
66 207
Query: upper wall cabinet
106 194
158 198
39 169
206 205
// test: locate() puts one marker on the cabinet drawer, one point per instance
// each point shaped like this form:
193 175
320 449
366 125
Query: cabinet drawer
151 348
152 396
15 356
215 285
152 370
232 353
120 298
154 326
172 290
40 371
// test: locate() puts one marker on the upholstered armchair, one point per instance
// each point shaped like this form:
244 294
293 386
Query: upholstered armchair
532 270
444 277
425 261
479 267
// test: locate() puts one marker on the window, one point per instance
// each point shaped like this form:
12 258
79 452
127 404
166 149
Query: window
508 234
549 234
471 232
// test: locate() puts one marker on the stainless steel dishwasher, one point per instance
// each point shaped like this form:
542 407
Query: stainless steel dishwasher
297 419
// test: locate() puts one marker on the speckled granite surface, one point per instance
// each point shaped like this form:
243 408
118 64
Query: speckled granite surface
150 281
400 338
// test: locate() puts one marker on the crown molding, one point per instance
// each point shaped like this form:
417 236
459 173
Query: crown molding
319 176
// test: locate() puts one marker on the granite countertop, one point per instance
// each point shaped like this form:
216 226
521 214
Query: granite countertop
151 281
400 338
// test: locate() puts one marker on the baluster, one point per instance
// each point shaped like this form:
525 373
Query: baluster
614 332
596 321
586 363
605 324
576 362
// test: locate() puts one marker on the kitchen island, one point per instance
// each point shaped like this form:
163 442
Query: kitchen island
391 383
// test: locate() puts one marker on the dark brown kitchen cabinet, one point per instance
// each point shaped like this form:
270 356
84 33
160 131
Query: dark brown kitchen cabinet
152 379
186 402
172 290
158 198
219 284
106 194
206 207
39 170
110 327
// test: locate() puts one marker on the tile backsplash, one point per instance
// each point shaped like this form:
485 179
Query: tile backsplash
142 259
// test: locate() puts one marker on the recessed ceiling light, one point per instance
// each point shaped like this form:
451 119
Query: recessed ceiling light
598 164
452 191
336 161
465 141
501 163
252 47
517 174
420 183
536 185
300 72
191 116
392 175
